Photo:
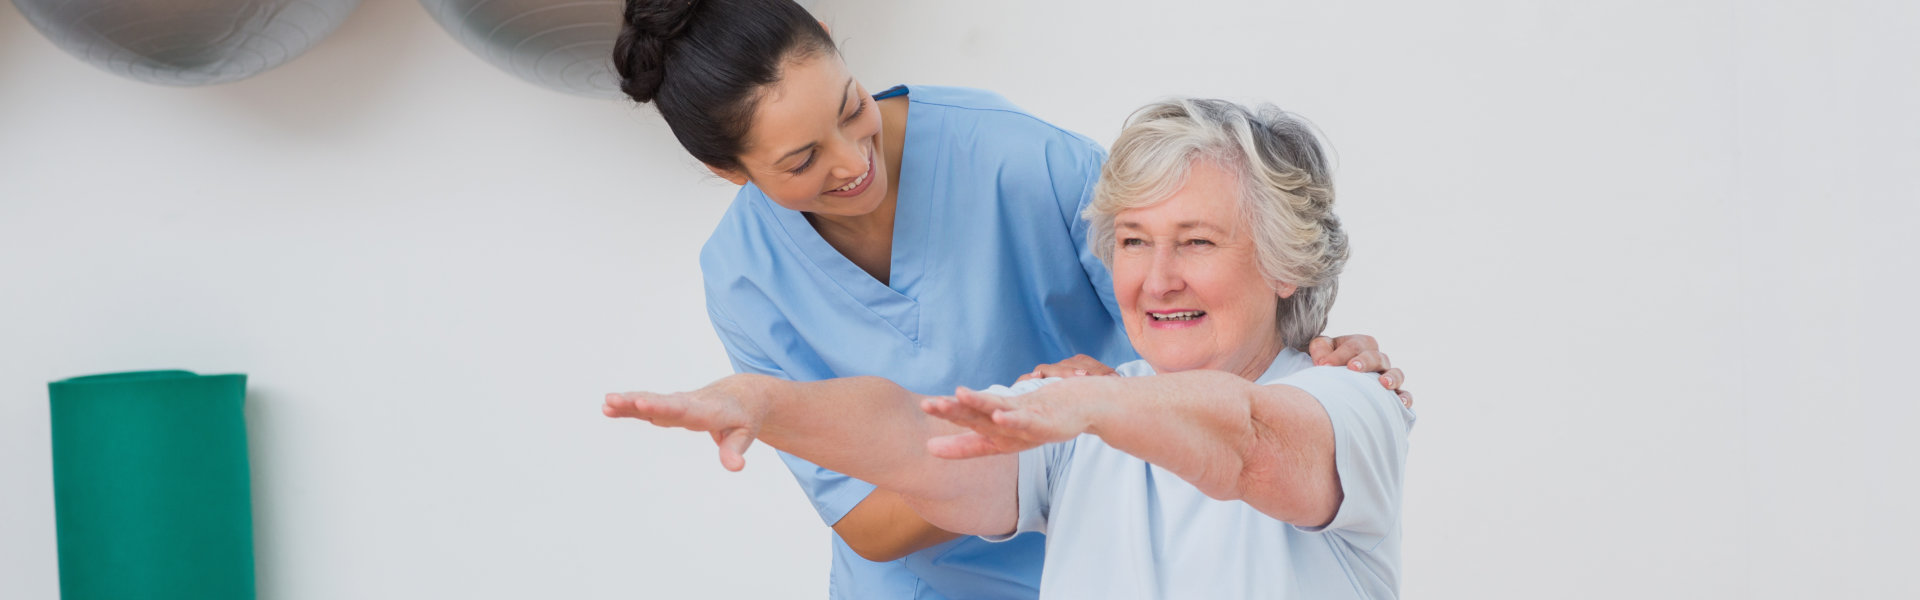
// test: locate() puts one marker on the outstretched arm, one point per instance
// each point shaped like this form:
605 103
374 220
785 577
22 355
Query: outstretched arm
1269 446
865 427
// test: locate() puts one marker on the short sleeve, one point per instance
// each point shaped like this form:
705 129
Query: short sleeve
1042 470
1370 428
833 495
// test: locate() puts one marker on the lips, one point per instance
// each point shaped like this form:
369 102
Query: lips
1181 315
1175 319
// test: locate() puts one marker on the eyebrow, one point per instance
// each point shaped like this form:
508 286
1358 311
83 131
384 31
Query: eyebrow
845 91
1181 226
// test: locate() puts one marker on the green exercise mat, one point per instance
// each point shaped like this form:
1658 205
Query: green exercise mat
150 486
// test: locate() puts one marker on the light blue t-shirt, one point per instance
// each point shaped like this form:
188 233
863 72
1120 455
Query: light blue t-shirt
990 277
1119 527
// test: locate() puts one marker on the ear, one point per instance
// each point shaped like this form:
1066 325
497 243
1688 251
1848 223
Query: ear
736 177
1283 289
823 25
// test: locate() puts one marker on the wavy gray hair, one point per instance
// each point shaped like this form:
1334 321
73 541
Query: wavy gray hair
1286 193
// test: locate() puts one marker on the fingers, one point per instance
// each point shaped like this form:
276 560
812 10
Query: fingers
1013 419
981 401
682 410
642 405
1369 361
1079 365
1319 349
962 445
1358 341
1087 365
1406 398
1054 370
951 410
1392 379
1346 348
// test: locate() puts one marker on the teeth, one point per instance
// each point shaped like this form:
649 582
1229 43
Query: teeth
1178 316
856 182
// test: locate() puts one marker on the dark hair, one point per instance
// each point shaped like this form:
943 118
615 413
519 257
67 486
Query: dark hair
702 63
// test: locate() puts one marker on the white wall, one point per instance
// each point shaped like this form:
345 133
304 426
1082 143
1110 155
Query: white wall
1647 263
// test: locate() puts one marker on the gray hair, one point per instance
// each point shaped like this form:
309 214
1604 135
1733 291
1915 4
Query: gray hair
1286 193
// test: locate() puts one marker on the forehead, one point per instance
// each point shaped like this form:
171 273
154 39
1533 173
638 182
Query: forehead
802 106
1209 198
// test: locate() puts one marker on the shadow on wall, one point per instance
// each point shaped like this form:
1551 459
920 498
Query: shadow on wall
14 41
356 68
260 455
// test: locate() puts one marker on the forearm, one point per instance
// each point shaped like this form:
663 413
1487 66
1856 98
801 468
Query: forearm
1269 446
873 430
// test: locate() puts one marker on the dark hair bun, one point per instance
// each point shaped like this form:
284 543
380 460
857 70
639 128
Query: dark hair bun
640 55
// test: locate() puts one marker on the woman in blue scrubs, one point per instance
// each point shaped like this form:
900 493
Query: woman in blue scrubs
928 235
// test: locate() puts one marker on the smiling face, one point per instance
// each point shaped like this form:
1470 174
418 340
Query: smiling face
815 144
1190 289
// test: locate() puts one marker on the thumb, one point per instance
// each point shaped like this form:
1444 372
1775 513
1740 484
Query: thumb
733 448
1319 348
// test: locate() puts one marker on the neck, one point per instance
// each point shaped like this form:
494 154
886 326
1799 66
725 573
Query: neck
1259 362
857 230
867 239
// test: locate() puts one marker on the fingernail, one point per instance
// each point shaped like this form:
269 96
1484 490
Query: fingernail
1079 371
1354 364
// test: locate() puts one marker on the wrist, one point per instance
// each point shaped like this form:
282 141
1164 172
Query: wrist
754 392
1098 402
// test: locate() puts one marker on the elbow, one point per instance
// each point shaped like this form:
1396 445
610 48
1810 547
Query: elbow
878 550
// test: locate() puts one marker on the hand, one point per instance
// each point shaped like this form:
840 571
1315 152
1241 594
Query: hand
1006 424
730 410
1360 353
1080 365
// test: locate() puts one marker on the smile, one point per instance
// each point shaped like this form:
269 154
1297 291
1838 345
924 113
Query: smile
856 182
859 184
1185 315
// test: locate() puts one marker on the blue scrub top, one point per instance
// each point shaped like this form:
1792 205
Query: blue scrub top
990 277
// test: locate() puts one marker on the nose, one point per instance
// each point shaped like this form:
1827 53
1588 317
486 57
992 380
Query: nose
1163 275
849 159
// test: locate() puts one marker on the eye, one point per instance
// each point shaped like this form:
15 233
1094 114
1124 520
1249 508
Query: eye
1132 242
858 109
1199 242
804 164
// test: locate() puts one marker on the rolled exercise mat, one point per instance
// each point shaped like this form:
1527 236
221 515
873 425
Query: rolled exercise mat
150 486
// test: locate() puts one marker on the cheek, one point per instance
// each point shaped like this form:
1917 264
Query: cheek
797 193
1229 287
870 123
1126 282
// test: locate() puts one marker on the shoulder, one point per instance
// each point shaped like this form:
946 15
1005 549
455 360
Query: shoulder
741 227
745 231
1347 394
1010 126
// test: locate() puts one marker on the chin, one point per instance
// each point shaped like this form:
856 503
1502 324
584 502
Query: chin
852 207
1172 363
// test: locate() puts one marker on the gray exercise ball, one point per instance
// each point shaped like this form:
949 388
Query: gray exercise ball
186 42
563 45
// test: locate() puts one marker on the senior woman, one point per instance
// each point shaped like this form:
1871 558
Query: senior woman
1222 464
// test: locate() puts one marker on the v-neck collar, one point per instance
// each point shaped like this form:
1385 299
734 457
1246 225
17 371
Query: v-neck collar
895 302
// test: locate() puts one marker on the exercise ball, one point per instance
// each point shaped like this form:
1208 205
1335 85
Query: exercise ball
186 42
562 45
